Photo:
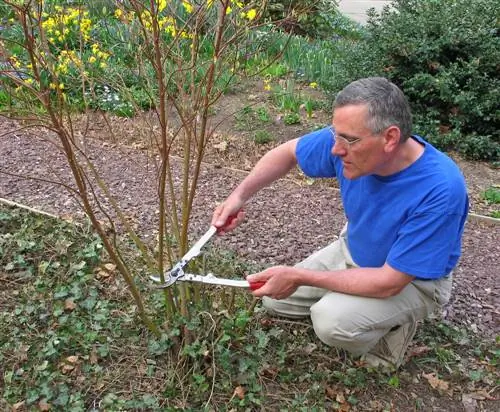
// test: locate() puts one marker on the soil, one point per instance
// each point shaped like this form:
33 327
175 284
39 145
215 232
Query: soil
285 222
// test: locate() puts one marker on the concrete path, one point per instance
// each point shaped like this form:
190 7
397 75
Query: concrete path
356 10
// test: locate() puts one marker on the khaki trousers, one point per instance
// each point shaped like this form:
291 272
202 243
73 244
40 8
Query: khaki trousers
356 323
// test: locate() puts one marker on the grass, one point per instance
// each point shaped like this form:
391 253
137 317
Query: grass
70 340
491 196
250 118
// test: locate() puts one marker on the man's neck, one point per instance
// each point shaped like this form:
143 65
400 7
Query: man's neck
406 154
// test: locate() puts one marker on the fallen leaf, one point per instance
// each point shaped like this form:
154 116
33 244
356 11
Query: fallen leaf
419 350
110 267
239 391
345 407
103 274
330 392
72 359
93 357
481 395
270 372
23 352
435 382
65 368
17 406
310 348
43 405
469 403
340 398
222 146
69 304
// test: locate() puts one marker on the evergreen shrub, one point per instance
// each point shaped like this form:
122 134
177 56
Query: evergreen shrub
445 55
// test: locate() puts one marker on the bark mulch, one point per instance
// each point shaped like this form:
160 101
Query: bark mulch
285 222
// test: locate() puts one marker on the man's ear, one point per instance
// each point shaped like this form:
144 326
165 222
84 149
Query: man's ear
392 137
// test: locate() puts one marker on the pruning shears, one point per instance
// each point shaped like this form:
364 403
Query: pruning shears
177 271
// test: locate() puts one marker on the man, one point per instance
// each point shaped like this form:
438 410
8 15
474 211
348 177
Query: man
406 205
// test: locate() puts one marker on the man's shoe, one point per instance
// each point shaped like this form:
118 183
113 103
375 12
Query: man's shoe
390 350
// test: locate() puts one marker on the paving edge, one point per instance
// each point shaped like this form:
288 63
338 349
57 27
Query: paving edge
28 208
482 218
472 216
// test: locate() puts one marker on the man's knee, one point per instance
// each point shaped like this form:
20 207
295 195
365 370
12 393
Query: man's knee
285 308
337 327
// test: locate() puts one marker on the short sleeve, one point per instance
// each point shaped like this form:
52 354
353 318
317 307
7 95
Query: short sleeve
314 155
425 246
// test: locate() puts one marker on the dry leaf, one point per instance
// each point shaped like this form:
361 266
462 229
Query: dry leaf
18 406
481 395
222 146
418 350
43 405
270 372
340 398
331 393
435 382
469 403
103 274
69 304
23 352
93 357
110 267
72 359
65 368
310 348
239 391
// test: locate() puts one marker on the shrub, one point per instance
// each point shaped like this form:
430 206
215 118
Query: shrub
444 54
308 18
263 137
492 195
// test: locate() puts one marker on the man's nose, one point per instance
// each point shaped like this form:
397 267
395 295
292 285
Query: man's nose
339 149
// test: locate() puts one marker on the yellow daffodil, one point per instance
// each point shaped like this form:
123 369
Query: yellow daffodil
187 6
251 14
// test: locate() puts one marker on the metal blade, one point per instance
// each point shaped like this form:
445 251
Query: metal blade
176 272
196 249
209 279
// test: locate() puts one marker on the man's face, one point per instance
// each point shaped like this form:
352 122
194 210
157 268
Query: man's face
361 151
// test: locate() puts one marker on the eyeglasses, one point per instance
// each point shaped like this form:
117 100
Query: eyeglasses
347 142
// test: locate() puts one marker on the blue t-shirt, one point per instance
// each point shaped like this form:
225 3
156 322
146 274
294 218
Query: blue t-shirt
413 219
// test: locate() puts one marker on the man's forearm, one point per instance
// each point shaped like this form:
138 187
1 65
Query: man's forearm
370 282
273 165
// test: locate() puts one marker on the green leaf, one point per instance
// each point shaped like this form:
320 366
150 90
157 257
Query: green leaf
394 381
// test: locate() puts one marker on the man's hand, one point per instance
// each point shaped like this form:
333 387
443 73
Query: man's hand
228 215
281 282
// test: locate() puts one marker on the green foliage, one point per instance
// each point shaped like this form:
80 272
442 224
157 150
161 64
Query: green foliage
444 55
291 118
286 98
313 19
68 339
250 118
109 100
275 70
262 137
492 195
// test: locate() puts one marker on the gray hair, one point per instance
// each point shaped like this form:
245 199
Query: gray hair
387 105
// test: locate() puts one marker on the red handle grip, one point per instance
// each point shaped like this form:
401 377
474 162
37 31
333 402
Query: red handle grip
256 285
228 221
